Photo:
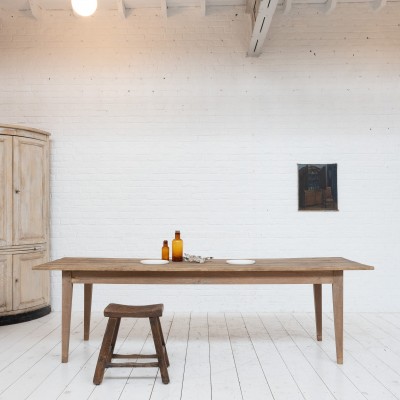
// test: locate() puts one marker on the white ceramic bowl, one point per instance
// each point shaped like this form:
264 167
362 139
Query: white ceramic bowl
240 262
154 262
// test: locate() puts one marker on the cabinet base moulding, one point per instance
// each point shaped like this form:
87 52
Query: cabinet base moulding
13 318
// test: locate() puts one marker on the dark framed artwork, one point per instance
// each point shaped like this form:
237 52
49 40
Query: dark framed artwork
318 190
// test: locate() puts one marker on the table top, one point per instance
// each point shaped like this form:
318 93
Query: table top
261 265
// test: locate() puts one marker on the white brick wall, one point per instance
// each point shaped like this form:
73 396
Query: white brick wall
161 124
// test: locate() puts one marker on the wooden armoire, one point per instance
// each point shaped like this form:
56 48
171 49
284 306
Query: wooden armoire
24 223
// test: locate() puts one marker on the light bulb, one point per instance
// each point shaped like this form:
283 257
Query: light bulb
84 8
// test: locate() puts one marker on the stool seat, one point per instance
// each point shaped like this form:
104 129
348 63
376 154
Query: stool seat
124 311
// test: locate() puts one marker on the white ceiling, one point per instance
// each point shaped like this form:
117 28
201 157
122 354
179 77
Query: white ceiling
261 11
112 4
14 5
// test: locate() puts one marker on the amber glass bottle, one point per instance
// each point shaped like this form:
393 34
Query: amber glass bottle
177 247
165 251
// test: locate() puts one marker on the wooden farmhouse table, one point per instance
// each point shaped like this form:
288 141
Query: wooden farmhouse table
315 271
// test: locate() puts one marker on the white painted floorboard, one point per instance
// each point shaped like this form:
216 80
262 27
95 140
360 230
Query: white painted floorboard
213 356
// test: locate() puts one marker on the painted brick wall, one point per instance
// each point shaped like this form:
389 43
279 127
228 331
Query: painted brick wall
160 124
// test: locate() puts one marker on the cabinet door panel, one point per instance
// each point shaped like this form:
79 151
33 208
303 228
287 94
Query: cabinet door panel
5 283
30 191
5 191
31 288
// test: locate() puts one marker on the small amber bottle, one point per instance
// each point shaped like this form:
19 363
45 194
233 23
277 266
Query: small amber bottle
165 251
177 247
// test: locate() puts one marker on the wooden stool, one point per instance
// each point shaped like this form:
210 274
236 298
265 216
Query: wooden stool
117 311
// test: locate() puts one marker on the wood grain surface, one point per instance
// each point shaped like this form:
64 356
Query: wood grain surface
272 264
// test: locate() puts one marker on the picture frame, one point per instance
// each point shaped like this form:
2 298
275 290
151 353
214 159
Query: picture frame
317 187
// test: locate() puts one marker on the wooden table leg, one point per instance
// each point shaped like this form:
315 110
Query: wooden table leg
88 287
318 309
67 288
337 292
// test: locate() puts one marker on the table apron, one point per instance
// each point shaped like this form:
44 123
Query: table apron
202 278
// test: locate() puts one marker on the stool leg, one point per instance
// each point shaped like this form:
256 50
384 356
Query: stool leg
159 350
113 340
163 341
104 351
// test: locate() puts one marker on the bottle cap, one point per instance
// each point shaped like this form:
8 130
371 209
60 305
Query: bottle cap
165 242
177 232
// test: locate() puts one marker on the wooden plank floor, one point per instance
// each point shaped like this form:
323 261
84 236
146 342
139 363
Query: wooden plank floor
214 356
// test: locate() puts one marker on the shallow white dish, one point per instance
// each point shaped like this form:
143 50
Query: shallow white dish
240 262
154 262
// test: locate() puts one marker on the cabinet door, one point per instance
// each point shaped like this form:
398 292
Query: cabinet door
31 288
5 190
30 191
5 283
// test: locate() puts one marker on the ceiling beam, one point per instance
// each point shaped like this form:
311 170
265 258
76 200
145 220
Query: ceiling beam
377 5
287 6
203 9
36 10
330 6
261 17
249 5
121 9
164 8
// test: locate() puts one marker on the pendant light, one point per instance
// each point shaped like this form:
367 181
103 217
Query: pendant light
84 8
